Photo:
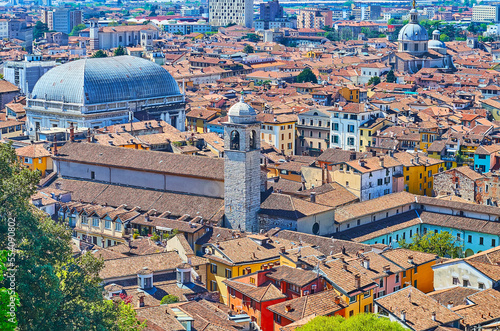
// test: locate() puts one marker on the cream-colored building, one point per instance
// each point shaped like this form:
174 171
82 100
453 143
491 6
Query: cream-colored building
486 13
224 12
279 131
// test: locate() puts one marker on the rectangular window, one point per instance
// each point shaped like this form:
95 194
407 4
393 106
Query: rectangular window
228 273
469 239
118 226
481 241
213 268
353 299
481 286
350 128
335 126
213 286
84 220
466 283
397 278
95 222
252 280
107 224
379 181
92 175
493 243
366 294
335 139
455 280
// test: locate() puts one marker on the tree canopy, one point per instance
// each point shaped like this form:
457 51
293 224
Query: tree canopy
100 53
76 29
169 298
307 76
442 243
248 49
374 80
120 50
39 29
390 78
360 322
56 291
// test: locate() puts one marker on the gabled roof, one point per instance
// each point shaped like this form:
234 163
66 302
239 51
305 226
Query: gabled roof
319 304
265 292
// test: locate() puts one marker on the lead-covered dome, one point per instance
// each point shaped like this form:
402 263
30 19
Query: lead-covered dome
103 80
413 32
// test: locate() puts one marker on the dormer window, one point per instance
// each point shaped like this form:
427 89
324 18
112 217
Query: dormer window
183 272
145 279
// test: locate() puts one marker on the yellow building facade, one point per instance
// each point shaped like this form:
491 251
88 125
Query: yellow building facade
35 157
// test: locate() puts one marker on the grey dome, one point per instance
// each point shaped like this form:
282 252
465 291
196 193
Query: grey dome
103 80
436 44
241 108
413 32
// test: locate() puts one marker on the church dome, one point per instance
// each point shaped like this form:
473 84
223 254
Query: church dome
104 80
413 32
241 108
436 43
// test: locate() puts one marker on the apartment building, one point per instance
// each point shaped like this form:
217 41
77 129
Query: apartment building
486 13
314 18
224 12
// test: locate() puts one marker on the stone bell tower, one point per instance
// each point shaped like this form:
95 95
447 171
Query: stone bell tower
242 168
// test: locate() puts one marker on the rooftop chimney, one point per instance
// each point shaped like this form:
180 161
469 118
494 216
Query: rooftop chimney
381 160
410 259
343 249
387 268
71 132
366 263
337 300
403 315
357 281
313 197
88 135
433 315
282 249
55 145
450 304
288 308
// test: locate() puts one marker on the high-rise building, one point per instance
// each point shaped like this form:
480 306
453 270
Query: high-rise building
486 13
314 18
242 168
61 19
25 74
224 12
271 10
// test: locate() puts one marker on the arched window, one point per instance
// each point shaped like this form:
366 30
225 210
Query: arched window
253 139
235 140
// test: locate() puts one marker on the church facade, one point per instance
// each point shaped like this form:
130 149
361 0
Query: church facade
416 51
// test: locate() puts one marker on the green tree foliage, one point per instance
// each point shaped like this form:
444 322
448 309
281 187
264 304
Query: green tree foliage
119 51
169 298
113 23
248 49
253 37
444 37
126 317
8 297
391 21
307 76
375 80
76 29
442 243
39 29
100 53
170 13
56 291
360 322
390 78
